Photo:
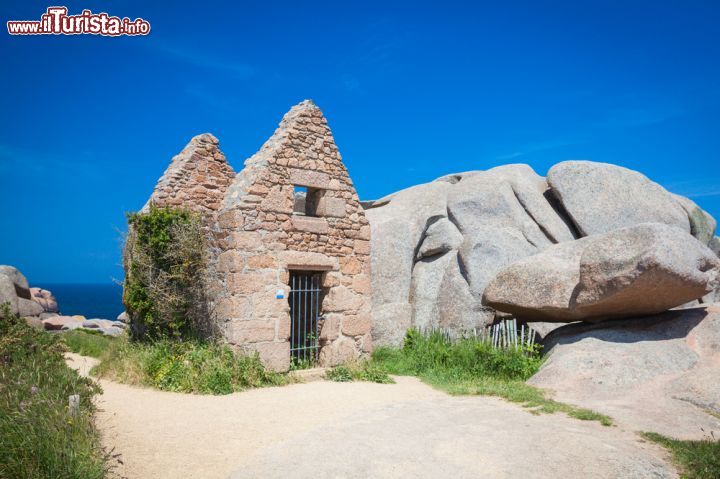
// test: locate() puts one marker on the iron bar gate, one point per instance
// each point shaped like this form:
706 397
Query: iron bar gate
304 299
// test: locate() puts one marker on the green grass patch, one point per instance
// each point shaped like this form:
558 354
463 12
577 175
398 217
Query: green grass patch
472 366
39 438
696 459
183 366
87 342
360 371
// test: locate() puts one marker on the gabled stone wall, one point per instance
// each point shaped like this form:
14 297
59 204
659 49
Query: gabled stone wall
256 238
197 178
261 240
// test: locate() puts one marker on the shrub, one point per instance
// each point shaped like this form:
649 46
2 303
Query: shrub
165 288
39 438
187 366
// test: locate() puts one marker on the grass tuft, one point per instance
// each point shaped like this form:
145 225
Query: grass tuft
360 371
87 342
697 459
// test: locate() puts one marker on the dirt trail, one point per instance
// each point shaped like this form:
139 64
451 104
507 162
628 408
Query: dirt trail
328 430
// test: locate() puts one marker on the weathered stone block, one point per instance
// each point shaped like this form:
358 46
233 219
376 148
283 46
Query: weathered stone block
331 279
361 284
232 219
265 304
364 233
309 224
262 262
251 331
231 262
275 356
244 241
330 329
366 343
340 298
310 178
279 199
362 247
350 265
244 283
233 307
308 260
338 352
332 207
356 325
283 328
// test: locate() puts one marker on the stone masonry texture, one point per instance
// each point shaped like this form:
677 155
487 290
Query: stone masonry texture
256 238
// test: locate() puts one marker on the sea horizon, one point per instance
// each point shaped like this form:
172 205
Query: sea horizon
92 300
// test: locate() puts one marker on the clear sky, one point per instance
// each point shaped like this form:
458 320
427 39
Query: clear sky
412 91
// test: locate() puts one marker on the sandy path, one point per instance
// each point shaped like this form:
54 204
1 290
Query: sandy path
327 430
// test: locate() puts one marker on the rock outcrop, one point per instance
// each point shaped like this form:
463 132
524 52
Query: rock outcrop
599 197
8 294
655 373
638 270
20 283
39 307
437 246
45 299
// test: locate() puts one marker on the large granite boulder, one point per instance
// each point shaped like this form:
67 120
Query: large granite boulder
714 245
45 299
600 197
657 373
396 231
435 247
8 293
21 283
28 307
639 270
702 225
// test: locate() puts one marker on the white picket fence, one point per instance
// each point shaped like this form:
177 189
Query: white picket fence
503 335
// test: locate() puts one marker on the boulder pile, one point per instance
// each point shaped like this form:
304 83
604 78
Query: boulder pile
633 268
40 309
590 242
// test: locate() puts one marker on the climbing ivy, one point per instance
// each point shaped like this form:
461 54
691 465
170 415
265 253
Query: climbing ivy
165 288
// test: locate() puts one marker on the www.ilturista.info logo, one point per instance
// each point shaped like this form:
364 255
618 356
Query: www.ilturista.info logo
56 21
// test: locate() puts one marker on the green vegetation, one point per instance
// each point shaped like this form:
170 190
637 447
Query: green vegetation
697 459
165 289
360 371
181 366
87 342
474 366
39 437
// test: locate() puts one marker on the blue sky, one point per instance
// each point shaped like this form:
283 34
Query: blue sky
412 91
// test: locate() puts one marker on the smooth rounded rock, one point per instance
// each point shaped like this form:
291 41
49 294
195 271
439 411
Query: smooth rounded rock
644 269
600 197
28 307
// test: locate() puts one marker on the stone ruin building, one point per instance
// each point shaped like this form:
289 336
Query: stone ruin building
289 242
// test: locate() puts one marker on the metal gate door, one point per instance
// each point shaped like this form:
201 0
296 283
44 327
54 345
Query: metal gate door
305 301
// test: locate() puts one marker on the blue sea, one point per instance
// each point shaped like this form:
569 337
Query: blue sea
90 300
